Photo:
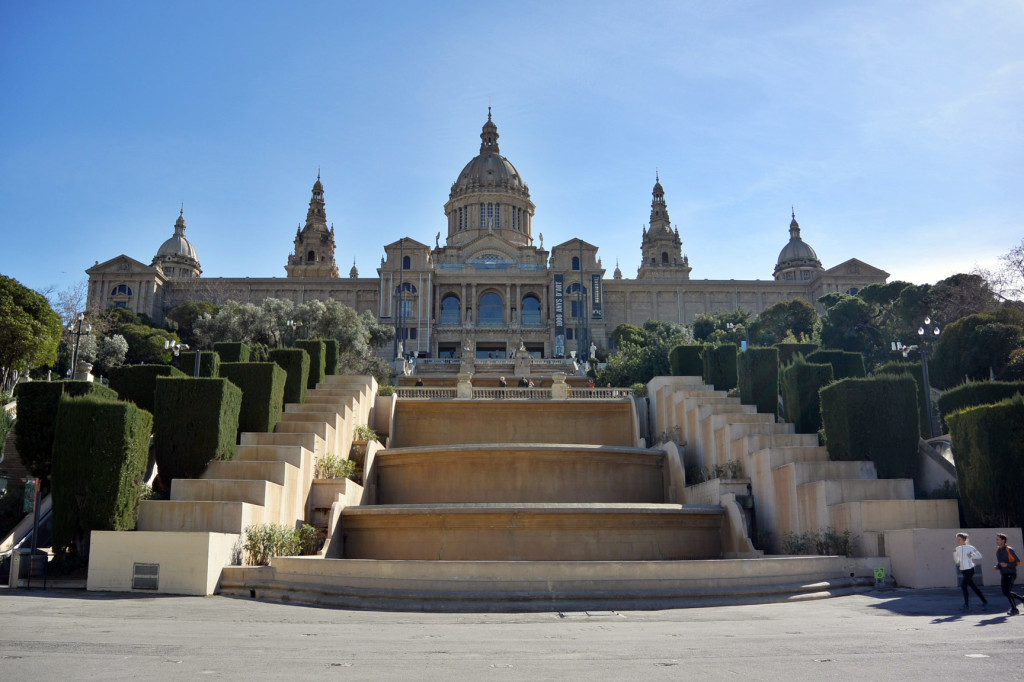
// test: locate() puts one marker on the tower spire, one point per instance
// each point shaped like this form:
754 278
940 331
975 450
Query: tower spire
489 136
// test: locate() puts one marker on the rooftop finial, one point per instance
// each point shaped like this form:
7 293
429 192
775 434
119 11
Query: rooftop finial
488 112
182 213
794 211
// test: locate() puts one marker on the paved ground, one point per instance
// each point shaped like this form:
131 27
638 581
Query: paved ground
895 634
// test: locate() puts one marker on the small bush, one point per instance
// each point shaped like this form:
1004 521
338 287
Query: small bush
759 379
195 421
873 419
720 366
262 385
801 382
364 432
266 541
317 360
989 444
331 466
137 383
38 402
923 405
639 390
295 362
824 542
385 389
100 450
331 348
976 393
687 361
232 351
844 364
209 363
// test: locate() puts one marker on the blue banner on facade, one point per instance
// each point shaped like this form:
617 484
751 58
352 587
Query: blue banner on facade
559 290
596 294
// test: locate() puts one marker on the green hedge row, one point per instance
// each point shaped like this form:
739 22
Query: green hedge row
720 366
759 379
262 385
845 365
686 361
37 413
195 421
137 383
232 351
873 419
332 350
100 451
989 444
801 381
977 393
317 360
913 369
209 363
788 351
295 362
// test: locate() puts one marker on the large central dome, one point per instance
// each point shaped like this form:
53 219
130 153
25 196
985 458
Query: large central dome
489 196
489 170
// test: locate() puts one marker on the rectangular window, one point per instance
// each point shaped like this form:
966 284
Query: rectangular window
497 215
483 216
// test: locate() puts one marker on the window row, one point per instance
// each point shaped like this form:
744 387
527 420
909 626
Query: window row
490 217
491 309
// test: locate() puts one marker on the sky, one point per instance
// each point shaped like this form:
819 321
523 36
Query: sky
893 129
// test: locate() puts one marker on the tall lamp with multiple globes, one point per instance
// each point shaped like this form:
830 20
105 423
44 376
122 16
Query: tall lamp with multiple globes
925 333
78 338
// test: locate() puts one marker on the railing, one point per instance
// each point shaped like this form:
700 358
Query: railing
11 408
512 393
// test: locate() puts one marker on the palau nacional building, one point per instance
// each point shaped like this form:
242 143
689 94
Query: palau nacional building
489 285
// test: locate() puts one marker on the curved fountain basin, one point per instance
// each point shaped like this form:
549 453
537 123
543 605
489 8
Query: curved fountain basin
519 473
531 532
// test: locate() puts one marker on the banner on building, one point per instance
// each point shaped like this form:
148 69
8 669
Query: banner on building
596 294
559 290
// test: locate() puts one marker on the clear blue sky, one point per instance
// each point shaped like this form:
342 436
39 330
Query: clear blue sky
894 128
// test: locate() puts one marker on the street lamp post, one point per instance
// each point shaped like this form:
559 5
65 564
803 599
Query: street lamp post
78 339
924 332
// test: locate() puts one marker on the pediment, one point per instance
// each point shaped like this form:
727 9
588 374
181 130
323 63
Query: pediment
855 267
405 243
490 248
122 264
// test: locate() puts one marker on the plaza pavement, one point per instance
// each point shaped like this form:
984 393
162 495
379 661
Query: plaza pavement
883 635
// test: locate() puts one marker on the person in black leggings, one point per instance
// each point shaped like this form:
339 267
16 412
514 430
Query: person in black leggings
1006 564
964 555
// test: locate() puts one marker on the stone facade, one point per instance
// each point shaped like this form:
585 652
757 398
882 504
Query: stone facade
490 287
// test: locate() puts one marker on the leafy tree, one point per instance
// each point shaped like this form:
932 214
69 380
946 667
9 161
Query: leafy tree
721 327
795 318
112 352
977 347
29 332
627 333
184 316
634 363
358 335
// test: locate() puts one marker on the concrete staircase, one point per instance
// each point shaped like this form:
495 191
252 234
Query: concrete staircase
269 481
794 485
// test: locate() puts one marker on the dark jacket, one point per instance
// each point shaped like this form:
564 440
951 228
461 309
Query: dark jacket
1003 557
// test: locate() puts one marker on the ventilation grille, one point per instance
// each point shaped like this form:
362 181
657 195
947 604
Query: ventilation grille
146 577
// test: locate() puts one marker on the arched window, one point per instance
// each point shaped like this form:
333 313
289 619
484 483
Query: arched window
406 287
406 263
575 262
451 312
664 258
121 290
491 309
575 300
311 257
852 291
531 309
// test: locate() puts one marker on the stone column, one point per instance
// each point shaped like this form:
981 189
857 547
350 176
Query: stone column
559 389
464 389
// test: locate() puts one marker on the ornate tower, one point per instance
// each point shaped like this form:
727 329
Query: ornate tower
176 257
489 196
314 243
797 260
661 246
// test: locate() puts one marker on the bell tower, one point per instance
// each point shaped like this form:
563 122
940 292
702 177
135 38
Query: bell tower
314 243
660 245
